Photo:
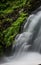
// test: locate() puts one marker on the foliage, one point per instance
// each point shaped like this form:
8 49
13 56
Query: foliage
11 32
10 6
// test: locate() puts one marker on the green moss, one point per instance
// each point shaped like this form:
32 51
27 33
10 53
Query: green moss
12 31
8 20
12 5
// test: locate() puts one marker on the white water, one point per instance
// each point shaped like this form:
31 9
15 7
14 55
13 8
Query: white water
28 43
26 59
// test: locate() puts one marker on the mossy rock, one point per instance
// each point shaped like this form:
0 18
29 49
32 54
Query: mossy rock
12 31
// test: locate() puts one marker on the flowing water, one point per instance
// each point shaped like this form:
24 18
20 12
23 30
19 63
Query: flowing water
28 44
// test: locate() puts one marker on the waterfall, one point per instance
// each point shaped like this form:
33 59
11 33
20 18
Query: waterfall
31 36
28 43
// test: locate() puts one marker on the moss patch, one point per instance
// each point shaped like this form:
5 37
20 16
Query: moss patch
12 31
10 6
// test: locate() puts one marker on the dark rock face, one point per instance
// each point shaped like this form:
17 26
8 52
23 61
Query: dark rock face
14 15
34 5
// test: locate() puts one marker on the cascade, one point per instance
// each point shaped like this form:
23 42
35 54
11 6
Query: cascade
27 44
